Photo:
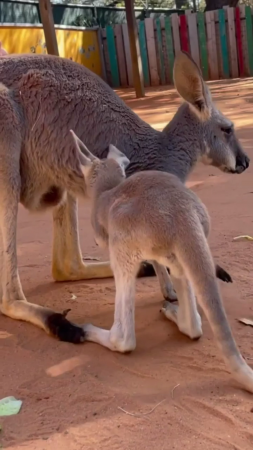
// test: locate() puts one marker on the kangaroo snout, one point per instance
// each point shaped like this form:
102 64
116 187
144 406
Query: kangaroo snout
242 163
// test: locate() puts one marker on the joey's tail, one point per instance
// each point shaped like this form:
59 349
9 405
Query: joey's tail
194 255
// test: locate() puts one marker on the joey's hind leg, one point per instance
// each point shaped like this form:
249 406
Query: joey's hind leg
121 337
67 264
185 314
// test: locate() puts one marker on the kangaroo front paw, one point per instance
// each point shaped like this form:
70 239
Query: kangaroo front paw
170 296
170 311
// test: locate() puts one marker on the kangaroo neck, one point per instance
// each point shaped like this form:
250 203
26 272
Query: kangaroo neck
171 153
182 155
175 150
182 143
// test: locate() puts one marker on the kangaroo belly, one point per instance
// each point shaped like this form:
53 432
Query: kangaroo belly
52 197
41 200
39 191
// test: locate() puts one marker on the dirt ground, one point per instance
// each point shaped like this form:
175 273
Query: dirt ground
72 395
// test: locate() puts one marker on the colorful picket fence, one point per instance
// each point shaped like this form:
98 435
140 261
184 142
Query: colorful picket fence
220 42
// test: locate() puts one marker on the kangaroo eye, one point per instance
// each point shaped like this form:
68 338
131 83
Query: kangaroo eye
227 130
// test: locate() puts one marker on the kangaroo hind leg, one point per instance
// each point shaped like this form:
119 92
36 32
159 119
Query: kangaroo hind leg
14 303
185 314
195 256
121 337
68 264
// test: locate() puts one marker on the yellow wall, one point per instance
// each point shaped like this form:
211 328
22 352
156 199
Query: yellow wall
81 46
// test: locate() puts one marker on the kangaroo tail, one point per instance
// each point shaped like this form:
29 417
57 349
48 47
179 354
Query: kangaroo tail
193 253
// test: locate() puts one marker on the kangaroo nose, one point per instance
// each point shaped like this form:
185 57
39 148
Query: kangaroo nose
242 163
247 161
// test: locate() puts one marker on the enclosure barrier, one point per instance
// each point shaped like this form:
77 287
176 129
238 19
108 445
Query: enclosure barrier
81 45
220 42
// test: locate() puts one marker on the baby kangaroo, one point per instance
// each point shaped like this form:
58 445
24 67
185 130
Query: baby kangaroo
153 216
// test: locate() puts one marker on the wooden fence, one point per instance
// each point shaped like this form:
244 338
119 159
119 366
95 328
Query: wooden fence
221 43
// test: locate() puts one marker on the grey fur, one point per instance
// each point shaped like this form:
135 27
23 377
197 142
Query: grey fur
41 99
153 216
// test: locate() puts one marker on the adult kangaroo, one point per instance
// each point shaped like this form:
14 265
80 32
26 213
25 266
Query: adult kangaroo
41 98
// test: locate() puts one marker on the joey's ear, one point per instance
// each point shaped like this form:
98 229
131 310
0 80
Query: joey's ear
118 156
81 147
85 161
85 164
191 86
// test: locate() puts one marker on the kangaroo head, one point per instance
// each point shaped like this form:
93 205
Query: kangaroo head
220 146
101 174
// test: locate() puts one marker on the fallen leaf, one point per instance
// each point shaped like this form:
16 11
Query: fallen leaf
10 406
246 321
73 297
243 237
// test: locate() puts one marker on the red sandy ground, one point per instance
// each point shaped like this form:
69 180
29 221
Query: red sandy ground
72 394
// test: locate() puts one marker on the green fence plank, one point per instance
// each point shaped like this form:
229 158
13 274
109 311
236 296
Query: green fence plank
144 53
223 43
249 33
160 50
169 46
202 44
112 56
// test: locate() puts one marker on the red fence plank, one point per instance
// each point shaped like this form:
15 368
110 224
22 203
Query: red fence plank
238 29
184 34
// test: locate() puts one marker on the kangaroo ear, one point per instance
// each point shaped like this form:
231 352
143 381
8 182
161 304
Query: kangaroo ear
191 86
118 156
81 147
85 156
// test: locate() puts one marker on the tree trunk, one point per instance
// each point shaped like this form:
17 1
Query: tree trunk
135 49
211 5
47 20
